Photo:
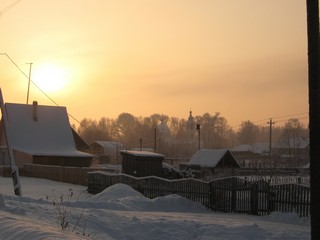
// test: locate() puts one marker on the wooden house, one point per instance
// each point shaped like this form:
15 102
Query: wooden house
141 163
42 135
213 160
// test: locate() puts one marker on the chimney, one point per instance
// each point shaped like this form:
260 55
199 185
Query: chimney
35 110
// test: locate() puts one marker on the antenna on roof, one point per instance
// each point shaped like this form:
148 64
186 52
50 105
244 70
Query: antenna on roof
29 81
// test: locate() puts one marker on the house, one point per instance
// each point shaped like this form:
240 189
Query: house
106 151
292 152
141 163
213 160
41 135
251 155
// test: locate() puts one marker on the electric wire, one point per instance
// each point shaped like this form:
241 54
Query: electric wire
287 117
238 125
7 8
44 93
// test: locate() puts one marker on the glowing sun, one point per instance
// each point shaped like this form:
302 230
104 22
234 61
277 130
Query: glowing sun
49 78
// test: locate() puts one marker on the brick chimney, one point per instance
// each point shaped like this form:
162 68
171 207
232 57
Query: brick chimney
35 110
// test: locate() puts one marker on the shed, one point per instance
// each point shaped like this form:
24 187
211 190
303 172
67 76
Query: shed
213 159
141 163
42 135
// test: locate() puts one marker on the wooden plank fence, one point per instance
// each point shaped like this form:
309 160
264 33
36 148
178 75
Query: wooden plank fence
233 194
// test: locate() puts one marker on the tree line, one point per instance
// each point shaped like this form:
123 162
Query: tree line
178 137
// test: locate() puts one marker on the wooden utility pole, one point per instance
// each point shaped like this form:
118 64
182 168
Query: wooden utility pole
155 139
140 144
270 138
314 113
14 168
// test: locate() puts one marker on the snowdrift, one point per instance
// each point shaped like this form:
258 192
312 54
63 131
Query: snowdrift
121 213
125 198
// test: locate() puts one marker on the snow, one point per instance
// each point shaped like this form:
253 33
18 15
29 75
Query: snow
255 148
142 153
207 157
120 212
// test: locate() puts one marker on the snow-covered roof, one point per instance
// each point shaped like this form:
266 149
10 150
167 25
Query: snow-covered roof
207 157
255 148
109 144
142 153
300 142
49 135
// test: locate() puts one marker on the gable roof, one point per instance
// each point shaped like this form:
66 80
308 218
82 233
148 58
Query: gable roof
49 135
254 148
108 147
209 157
109 144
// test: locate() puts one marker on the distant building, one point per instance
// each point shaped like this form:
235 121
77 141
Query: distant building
164 133
191 127
42 135
216 161
292 152
213 158
251 155
106 151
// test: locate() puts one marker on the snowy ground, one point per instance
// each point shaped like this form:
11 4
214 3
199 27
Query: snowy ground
120 212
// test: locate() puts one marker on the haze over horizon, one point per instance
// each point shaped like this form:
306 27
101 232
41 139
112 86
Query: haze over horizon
245 59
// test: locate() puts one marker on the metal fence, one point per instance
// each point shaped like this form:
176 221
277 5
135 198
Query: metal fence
233 194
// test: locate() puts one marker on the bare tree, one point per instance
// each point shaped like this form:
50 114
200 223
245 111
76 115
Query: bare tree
248 133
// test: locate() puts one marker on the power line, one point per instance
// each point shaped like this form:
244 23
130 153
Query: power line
39 87
7 8
291 115
279 117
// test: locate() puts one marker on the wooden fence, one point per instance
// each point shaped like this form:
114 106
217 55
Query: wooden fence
5 171
74 175
233 194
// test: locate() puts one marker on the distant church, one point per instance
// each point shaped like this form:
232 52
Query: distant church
191 128
164 132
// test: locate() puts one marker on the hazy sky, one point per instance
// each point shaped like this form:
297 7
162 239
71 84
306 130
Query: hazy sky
245 59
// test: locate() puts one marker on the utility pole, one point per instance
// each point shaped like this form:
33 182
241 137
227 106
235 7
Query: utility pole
270 138
155 139
140 144
198 128
29 81
314 113
14 168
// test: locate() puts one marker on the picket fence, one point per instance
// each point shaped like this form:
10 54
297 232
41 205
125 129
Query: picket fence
232 195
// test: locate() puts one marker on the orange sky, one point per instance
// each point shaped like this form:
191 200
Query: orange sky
245 59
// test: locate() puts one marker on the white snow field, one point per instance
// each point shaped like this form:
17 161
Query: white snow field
120 212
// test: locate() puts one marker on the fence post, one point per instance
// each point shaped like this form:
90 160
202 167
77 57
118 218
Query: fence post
234 194
254 199
271 196
212 196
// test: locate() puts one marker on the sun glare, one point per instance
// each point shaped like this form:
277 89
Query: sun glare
49 78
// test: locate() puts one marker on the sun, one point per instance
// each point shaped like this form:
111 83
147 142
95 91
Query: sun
49 77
